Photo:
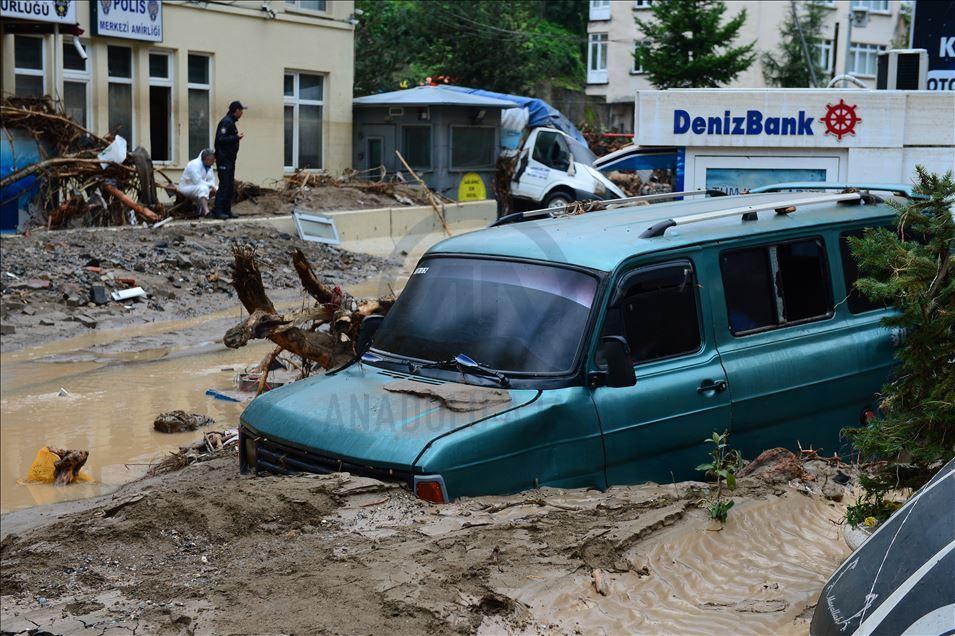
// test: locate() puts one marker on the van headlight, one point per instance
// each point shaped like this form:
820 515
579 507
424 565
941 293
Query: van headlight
599 188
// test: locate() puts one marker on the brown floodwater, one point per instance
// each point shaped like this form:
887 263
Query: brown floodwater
116 382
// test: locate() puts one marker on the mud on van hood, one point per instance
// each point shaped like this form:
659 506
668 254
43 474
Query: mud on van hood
370 415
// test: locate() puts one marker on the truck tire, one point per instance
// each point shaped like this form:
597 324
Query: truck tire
557 198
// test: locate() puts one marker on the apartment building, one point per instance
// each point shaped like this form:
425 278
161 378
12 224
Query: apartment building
615 77
162 73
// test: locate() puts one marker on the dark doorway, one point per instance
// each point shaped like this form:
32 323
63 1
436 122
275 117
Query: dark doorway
160 118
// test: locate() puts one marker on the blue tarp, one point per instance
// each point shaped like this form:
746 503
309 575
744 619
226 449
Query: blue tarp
541 113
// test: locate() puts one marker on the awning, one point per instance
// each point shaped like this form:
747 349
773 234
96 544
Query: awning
637 158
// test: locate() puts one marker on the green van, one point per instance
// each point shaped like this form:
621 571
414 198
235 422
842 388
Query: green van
603 348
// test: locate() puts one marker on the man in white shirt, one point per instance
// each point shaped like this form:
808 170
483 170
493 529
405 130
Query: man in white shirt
198 181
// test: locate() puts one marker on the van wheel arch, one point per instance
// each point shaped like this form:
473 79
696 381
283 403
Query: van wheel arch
558 193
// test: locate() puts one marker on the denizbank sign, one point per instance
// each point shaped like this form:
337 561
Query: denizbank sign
770 118
840 120
130 19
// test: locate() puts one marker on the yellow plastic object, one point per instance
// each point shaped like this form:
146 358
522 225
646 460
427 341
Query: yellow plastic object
43 470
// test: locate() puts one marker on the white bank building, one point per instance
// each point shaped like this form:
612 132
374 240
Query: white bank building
739 139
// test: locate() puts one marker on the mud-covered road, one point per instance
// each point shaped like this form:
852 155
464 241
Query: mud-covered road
207 550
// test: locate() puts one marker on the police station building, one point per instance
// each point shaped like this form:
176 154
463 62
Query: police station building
736 139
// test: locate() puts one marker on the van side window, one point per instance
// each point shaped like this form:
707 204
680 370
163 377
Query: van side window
551 150
776 285
856 301
657 312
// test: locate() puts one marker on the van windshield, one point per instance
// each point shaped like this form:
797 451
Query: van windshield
509 316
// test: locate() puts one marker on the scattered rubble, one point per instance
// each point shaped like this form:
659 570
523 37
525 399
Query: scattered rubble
48 278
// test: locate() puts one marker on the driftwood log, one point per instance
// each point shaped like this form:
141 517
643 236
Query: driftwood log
67 467
324 334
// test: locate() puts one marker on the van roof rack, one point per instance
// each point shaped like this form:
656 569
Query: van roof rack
898 189
749 212
594 205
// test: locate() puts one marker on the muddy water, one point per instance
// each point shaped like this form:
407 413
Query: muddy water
111 401
117 381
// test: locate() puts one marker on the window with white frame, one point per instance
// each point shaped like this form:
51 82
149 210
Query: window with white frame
160 106
77 77
199 88
863 59
119 72
597 58
304 101
599 10
308 5
824 54
879 6
29 66
472 147
637 67
416 146
641 4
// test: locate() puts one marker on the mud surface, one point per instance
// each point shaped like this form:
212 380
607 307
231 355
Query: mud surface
328 198
48 278
206 550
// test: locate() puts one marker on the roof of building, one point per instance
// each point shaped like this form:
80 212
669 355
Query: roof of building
602 240
431 96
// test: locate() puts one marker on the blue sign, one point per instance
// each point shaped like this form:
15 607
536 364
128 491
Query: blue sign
130 19
752 123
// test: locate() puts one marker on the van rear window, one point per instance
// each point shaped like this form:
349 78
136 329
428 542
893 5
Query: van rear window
776 285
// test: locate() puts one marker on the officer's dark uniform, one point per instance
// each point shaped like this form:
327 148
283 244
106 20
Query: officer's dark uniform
227 149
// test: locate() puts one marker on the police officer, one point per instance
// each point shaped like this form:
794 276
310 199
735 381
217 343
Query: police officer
227 149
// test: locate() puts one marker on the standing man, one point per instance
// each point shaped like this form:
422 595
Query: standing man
227 149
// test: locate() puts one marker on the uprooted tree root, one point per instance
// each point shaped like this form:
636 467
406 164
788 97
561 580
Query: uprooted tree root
324 334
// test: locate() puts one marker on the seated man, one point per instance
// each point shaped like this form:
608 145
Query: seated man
198 181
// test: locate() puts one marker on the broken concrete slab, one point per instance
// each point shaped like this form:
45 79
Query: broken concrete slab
7 330
86 320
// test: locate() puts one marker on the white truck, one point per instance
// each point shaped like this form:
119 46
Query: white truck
554 169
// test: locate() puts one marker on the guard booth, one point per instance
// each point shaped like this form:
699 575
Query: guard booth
449 138
738 140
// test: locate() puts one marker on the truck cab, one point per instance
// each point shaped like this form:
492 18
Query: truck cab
554 169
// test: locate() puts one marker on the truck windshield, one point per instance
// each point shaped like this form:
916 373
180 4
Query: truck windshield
582 154
513 317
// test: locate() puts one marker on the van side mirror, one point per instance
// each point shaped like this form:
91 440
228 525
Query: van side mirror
369 326
572 170
616 352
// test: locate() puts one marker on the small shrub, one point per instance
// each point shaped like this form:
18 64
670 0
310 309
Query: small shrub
722 466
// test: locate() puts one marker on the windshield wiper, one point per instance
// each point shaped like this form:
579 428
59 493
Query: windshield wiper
465 365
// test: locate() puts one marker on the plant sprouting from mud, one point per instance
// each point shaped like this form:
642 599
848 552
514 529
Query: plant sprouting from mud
722 466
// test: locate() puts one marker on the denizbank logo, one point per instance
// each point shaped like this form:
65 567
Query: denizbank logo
840 120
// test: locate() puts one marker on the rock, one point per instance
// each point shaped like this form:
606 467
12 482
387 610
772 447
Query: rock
86 320
833 491
98 294
32 283
180 422
72 300
46 322
7 330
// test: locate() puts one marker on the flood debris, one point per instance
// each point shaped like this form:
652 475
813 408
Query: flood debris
58 466
180 422
83 179
322 335
212 445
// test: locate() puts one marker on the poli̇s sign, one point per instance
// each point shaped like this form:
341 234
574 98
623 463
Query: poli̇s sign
839 120
60 11
130 19
933 29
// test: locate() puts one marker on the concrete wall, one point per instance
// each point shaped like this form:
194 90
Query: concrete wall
250 53
375 121
761 26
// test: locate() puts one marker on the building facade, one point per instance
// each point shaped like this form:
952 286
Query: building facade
162 74
613 74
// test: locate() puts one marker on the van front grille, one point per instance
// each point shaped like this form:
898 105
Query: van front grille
267 455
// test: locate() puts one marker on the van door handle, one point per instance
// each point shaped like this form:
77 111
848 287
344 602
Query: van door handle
709 385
